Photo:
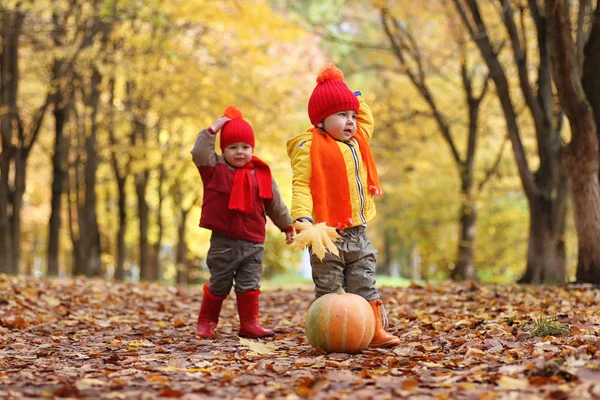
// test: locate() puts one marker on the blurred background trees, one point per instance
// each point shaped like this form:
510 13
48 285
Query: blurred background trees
101 100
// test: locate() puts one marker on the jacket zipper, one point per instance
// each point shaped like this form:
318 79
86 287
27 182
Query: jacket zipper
361 195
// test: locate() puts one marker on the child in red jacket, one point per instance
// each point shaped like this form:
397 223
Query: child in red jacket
239 192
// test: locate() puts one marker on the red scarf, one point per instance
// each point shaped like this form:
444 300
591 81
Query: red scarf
241 192
329 178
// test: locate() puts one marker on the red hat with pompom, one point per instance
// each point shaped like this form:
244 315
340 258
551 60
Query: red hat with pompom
236 130
331 95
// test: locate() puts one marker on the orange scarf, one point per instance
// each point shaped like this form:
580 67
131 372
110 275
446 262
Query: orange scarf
241 191
329 179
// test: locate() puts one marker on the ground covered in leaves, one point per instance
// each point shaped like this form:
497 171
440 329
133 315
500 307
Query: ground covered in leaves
83 338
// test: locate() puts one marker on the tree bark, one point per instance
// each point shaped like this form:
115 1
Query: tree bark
58 157
74 195
12 23
581 155
156 246
121 178
92 243
122 201
544 188
405 49
465 265
181 252
591 52
59 176
141 183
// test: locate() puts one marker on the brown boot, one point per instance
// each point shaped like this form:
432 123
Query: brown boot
208 317
381 338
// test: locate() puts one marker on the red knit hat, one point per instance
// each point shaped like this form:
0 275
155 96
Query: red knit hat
331 95
236 130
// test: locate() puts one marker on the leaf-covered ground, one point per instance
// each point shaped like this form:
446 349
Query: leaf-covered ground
96 339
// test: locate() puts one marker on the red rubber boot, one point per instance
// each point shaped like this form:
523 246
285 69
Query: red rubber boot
208 317
247 304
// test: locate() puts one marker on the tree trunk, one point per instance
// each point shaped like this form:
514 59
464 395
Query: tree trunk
12 23
591 83
72 205
141 182
181 252
156 264
17 203
581 155
59 172
412 64
586 208
546 250
92 243
74 195
121 179
120 267
465 266
544 189
588 266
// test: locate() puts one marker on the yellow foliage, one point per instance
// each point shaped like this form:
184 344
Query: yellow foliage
319 236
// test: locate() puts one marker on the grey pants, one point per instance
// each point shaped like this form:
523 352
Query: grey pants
354 269
230 260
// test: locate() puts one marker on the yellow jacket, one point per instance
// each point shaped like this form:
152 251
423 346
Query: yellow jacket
298 148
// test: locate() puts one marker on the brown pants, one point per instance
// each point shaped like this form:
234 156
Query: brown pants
233 260
354 269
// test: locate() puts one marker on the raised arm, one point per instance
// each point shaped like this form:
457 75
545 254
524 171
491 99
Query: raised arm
203 152
364 121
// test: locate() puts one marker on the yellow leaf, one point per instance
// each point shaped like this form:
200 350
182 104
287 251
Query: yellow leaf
259 348
137 343
474 352
200 369
506 382
320 236
53 301
157 378
172 368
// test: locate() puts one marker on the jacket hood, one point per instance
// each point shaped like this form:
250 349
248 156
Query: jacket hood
297 140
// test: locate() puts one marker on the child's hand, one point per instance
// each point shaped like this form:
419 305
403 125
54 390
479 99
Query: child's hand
289 237
218 124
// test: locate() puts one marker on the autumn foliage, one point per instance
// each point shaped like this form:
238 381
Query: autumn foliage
98 339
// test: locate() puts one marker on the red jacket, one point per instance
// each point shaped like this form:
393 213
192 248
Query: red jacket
217 177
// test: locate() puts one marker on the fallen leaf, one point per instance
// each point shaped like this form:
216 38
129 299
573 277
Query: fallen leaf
506 382
258 347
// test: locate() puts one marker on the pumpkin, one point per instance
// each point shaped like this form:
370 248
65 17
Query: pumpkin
340 323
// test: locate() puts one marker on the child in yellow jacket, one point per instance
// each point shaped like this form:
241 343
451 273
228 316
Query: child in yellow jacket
335 180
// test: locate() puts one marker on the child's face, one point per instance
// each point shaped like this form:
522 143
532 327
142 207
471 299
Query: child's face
238 154
341 125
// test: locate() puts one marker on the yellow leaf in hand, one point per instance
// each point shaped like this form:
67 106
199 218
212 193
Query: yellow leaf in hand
320 236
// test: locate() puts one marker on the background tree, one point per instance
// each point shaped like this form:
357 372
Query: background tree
579 93
20 123
183 62
406 48
545 188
